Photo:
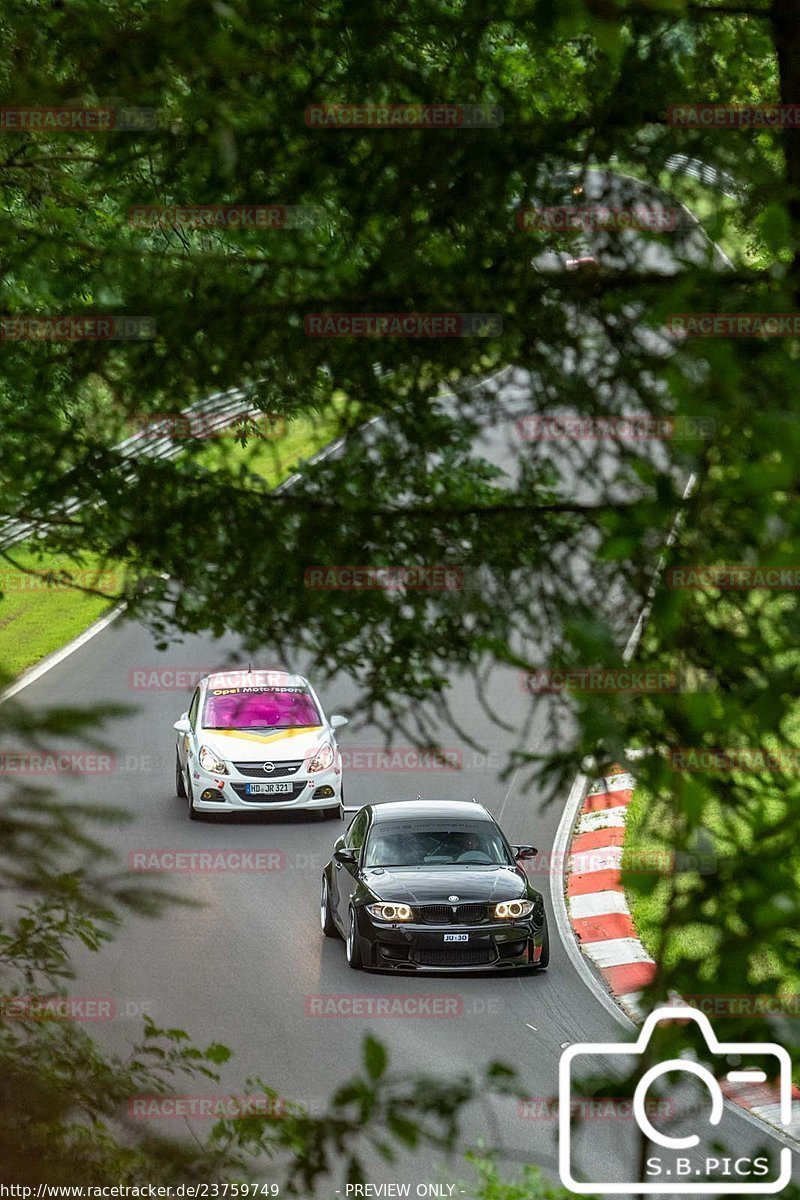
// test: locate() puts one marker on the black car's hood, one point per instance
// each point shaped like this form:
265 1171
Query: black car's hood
435 885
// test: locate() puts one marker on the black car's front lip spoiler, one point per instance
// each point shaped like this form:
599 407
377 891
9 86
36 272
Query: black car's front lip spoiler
434 933
414 937
412 968
444 926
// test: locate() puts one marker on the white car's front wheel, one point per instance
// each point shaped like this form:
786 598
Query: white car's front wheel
194 815
180 786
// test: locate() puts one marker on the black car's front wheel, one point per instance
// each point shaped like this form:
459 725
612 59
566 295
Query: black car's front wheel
544 957
325 915
354 958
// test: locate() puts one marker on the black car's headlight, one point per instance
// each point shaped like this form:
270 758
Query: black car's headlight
512 910
390 912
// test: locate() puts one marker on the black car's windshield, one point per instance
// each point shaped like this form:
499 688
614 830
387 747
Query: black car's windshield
428 844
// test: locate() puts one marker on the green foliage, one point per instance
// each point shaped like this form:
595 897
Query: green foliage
416 220
490 1184
376 1113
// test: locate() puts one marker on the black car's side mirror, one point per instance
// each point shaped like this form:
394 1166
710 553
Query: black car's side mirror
525 851
346 855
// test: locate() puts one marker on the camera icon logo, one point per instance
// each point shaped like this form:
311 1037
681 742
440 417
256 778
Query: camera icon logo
683 1176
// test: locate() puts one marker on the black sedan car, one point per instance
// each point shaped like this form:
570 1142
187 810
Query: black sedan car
432 885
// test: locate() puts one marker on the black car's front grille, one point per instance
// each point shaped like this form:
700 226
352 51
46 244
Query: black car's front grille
437 914
453 914
268 797
472 914
467 956
279 769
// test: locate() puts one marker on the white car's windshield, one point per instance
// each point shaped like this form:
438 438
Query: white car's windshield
260 708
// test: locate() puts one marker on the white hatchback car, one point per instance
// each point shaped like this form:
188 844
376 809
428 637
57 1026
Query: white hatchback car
257 740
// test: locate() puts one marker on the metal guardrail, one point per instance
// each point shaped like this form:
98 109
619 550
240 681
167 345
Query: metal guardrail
216 411
681 164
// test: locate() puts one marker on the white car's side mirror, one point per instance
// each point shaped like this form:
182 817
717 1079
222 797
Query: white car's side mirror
183 726
337 721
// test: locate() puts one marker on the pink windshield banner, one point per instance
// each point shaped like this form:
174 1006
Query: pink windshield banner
240 708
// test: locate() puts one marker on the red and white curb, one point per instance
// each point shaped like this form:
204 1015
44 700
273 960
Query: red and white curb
596 903
601 921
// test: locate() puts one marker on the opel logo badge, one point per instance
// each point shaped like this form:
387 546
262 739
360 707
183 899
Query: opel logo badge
269 767
453 897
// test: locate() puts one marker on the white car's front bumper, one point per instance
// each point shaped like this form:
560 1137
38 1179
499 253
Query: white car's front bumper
323 789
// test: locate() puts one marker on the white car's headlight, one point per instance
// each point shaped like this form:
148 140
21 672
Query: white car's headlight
512 910
211 763
390 912
322 759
